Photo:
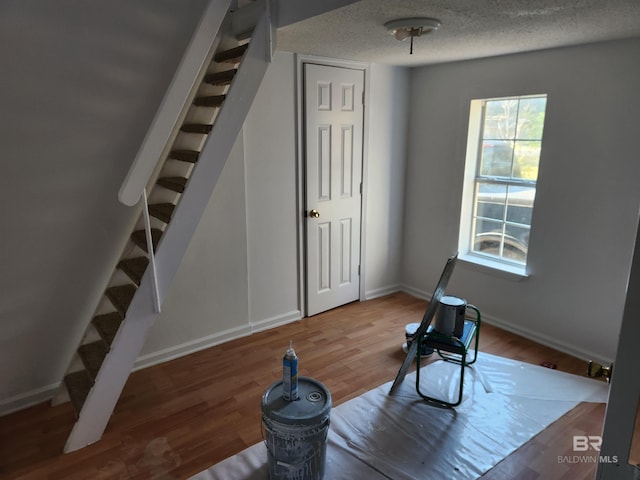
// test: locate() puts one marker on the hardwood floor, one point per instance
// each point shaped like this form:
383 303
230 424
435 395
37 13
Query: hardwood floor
178 418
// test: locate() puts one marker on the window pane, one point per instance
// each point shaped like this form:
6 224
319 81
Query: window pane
497 157
488 237
500 119
531 118
516 243
520 204
491 200
526 158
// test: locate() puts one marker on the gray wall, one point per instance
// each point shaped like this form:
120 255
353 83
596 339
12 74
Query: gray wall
386 151
272 210
587 200
80 84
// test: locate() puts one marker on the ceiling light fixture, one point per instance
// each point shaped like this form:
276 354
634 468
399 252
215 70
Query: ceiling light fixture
404 28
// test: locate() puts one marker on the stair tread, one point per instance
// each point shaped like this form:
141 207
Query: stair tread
92 355
107 325
134 268
233 55
203 128
176 184
139 237
121 296
185 155
209 100
162 211
78 385
220 78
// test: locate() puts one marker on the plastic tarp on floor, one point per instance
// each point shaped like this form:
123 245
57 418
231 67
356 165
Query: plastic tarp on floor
400 436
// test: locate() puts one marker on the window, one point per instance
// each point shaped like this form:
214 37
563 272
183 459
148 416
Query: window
503 154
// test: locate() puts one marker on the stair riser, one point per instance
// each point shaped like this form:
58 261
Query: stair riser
198 128
213 101
134 268
162 212
231 56
121 297
138 238
222 78
92 356
184 156
173 184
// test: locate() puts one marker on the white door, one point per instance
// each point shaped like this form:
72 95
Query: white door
333 135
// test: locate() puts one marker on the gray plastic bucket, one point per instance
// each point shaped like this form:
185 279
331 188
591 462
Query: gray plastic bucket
295 433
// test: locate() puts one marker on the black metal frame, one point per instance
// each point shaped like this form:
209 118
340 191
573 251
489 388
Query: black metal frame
456 352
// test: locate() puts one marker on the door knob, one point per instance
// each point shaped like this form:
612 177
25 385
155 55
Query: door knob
314 213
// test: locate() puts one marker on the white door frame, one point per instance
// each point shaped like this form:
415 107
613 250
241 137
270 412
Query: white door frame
300 169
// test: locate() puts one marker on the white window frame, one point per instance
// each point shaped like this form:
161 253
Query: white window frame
471 178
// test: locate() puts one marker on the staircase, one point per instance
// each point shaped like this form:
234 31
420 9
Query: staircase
179 189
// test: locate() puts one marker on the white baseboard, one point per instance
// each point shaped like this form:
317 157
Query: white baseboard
416 292
192 346
28 399
562 346
276 321
382 291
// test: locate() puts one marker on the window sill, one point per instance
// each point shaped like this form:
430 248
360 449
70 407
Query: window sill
500 269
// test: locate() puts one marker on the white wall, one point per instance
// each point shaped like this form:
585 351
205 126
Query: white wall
386 151
587 199
270 158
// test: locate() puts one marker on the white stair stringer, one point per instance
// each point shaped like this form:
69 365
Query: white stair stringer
141 314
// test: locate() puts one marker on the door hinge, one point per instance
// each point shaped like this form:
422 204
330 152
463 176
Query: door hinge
363 97
360 188
358 269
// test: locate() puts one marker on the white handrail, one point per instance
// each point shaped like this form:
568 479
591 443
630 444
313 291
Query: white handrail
151 250
173 103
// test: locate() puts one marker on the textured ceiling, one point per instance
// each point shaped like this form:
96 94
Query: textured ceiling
470 28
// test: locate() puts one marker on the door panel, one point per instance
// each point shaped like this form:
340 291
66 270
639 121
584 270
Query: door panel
333 136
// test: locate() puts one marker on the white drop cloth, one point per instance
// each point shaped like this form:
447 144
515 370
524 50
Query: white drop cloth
378 436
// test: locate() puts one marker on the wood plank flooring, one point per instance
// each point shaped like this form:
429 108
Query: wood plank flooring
178 418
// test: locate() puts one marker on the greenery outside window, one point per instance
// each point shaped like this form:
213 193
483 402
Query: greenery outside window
503 156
